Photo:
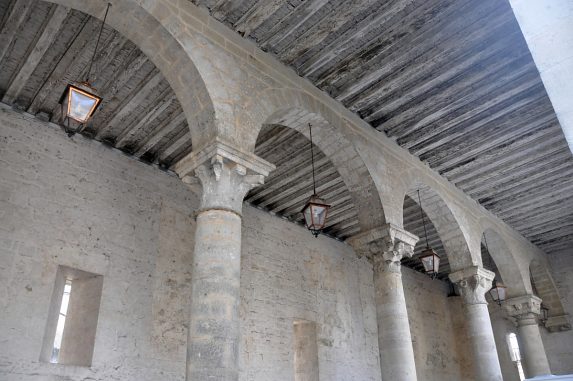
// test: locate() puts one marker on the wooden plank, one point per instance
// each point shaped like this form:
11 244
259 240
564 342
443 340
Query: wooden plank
129 105
160 133
49 34
19 13
129 134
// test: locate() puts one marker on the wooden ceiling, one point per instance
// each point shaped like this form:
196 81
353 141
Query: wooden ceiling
452 81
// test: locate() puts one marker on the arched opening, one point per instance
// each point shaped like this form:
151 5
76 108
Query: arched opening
544 287
289 186
443 232
497 257
489 263
413 223
146 104
346 182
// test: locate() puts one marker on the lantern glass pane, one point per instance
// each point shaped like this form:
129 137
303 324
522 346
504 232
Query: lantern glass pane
436 263
428 263
318 216
307 216
494 294
501 293
81 104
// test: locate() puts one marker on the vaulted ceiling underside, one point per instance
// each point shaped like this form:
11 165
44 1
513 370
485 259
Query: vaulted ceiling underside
452 81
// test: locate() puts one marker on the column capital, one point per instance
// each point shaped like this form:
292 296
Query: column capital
473 283
525 309
384 246
225 173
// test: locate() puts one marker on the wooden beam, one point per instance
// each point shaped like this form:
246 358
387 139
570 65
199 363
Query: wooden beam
160 133
49 34
18 14
130 104
130 133
175 146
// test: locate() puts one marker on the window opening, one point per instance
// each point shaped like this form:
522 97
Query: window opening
61 322
515 354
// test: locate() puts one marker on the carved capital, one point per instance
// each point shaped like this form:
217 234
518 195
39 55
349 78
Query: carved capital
473 282
525 309
224 173
384 246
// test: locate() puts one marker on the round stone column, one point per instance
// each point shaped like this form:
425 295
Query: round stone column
526 309
385 247
225 177
473 283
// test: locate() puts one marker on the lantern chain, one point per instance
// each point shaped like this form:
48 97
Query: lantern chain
312 159
423 219
97 43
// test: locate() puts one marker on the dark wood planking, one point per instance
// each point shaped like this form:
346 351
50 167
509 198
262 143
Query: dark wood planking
452 81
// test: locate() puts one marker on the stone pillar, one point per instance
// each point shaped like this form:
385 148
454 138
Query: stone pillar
225 175
526 309
473 283
385 247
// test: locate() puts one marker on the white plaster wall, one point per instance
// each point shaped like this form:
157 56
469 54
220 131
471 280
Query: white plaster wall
559 345
77 203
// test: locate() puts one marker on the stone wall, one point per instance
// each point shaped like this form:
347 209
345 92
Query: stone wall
431 321
559 345
77 203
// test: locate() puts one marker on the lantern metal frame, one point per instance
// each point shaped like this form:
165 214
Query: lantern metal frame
314 201
428 252
83 88
499 289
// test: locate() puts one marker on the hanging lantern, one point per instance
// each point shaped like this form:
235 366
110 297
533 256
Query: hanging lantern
80 100
430 259
316 210
497 292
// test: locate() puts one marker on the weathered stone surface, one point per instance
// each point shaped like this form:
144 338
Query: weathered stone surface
473 283
75 202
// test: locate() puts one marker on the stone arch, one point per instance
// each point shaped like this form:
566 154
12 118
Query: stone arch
163 49
504 260
441 214
544 287
295 109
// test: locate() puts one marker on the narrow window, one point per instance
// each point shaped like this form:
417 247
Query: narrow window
305 351
70 333
61 321
513 346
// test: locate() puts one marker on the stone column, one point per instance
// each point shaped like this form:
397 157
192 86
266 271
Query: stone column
526 309
385 247
225 175
473 283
